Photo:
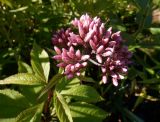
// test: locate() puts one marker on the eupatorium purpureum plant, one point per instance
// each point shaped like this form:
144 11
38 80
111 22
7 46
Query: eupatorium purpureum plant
91 43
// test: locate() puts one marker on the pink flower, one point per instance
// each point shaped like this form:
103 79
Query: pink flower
103 46
72 61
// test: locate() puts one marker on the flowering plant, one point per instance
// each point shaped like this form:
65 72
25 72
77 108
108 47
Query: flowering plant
88 73
91 43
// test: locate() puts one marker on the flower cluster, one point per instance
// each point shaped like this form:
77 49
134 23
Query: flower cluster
99 46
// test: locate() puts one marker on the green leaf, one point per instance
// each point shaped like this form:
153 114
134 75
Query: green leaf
24 67
22 79
12 103
32 114
7 2
31 92
40 62
155 31
84 112
65 84
62 109
83 93
51 83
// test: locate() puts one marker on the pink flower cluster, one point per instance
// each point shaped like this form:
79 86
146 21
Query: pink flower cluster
92 43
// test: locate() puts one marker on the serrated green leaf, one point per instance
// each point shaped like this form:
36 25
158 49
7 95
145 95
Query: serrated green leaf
32 114
24 67
83 93
62 109
51 83
40 62
22 79
84 112
12 103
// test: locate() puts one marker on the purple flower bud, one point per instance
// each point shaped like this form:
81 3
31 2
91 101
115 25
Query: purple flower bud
89 36
61 65
57 57
69 76
77 65
92 44
120 76
85 57
84 64
78 54
81 30
101 29
99 58
103 69
71 55
67 69
104 79
124 70
108 53
78 73
58 51
71 49
115 82
100 49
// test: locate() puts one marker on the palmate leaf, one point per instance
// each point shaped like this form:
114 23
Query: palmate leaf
40 62
84 112
62 109
32 114
12 103
83 93
22 79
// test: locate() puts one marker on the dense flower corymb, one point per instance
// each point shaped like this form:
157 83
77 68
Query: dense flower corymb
91 43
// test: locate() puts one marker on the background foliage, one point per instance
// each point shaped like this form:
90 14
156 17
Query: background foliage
40 93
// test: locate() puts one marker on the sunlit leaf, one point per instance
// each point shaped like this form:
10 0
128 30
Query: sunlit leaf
24 67
155 31
12 103
62 109
22 79
65 84
7 2
40 62
83 93
84 112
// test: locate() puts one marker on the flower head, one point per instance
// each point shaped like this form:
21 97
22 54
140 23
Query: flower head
100 46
